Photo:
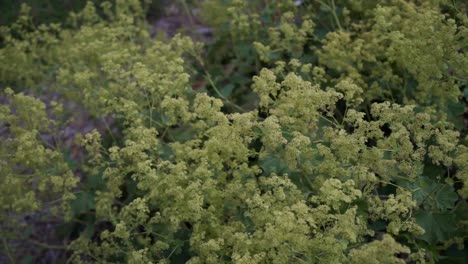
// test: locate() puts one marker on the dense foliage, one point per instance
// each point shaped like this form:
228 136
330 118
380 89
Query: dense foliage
323 132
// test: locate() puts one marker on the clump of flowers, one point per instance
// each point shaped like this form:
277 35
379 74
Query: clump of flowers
317 169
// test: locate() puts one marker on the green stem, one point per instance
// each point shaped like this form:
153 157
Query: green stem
335 16
43 245
395 185
187 10
172 252
344 115
332 9
330 121
210 80
436 189
207 75
108 129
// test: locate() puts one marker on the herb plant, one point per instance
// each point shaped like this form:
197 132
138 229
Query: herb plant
325 132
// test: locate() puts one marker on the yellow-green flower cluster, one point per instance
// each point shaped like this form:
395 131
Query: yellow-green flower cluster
35 175
318 170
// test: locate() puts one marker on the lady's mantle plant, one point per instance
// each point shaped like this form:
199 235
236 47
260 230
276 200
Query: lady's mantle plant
315 171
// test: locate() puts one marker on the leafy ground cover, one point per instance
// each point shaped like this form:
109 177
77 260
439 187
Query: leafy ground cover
252 132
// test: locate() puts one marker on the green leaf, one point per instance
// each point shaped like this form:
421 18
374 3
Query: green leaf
245 49
96 182
226 90
455 114
72 164
446 197
433 194
438 226
462 211
27 232
84 201
433 171
27 260
272 164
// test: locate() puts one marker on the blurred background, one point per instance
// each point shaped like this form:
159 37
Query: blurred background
47 11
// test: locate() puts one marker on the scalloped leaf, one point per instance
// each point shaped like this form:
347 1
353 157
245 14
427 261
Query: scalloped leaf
438 226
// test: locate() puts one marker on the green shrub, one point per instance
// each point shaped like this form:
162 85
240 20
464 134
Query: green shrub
408 52
332 145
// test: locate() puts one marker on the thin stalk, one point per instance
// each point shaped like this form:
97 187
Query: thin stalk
207 75
43 245
335 16
330 121
109 129
187 10
332 9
